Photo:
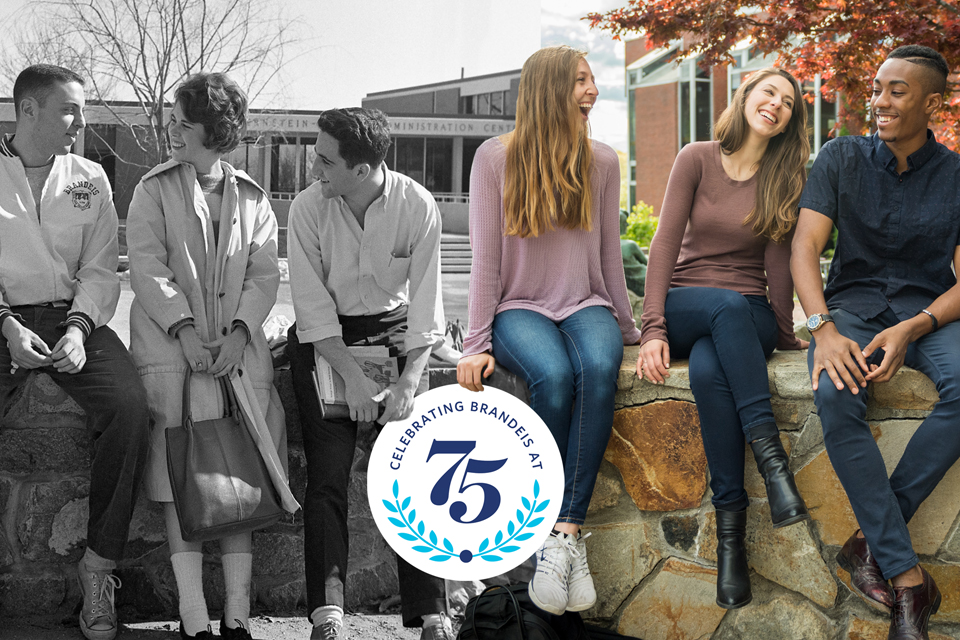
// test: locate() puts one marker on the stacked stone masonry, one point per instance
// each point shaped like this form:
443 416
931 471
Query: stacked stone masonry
652 548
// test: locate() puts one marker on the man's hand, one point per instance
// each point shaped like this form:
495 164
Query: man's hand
841 358
894 342
361 391
228 351
471 370
399 401
27 349
654 359
68 355
198 356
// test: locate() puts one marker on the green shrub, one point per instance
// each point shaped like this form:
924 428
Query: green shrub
641 225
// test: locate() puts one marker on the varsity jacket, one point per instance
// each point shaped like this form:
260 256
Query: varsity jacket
67 253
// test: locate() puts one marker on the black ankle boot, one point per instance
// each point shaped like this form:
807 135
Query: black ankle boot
733 576
786 505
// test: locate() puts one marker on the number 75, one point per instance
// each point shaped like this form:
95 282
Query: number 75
441 490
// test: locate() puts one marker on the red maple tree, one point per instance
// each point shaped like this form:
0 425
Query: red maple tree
845 41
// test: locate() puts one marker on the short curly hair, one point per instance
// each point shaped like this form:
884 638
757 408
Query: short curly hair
363 134
219 104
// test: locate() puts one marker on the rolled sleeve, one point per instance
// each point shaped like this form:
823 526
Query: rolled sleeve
98 287
425 321
313 305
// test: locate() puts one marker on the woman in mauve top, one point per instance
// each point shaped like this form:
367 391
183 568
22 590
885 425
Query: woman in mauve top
548 299
722 243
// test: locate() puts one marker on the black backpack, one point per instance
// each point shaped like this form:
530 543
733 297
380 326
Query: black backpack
504 613
507 613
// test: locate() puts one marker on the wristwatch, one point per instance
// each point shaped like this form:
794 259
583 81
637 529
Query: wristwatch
817 320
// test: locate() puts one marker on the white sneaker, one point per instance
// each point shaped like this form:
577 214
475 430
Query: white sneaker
548 588
98 616
581 593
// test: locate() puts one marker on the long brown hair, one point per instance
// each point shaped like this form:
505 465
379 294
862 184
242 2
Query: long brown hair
549 157
781 175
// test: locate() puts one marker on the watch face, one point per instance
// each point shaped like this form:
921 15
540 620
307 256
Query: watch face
813 322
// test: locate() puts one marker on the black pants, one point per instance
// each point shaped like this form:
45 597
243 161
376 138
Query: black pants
109 390
329 447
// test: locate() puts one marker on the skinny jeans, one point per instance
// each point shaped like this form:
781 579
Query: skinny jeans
727 337
329 446
570 368
883 505
109 390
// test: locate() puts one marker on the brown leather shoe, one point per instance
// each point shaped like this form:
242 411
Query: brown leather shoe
866 580
912 609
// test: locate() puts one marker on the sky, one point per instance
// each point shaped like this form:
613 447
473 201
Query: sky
350 48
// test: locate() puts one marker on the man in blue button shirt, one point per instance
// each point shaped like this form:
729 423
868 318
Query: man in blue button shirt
891 299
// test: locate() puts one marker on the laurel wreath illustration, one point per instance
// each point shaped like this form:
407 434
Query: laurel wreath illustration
432 544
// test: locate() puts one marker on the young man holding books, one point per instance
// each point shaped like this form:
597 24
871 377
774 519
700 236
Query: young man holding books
364 251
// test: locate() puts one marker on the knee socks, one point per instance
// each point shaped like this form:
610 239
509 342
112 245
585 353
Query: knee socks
237 570
188 571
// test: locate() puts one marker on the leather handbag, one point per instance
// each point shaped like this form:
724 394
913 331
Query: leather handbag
220 483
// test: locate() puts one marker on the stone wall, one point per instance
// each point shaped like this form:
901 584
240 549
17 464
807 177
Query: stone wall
653 548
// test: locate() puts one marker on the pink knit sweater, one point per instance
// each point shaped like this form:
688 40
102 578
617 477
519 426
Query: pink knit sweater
701 241
555 274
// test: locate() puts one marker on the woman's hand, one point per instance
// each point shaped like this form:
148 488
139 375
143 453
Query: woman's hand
228 350
198 358
654 360
472 369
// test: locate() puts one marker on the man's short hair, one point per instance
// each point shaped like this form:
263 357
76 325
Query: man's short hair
219 104
363 134
38 80
935 65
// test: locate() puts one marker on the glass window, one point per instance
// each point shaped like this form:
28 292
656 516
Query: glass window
466 104
438 165
283 165
828 118
496 103
308 156
99 142
470 146
684 114
704 117
410 157
483 104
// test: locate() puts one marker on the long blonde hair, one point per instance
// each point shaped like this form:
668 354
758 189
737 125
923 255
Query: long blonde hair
549 157
782 173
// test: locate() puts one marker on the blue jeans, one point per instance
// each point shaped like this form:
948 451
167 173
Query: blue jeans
883 505
570 368
727 337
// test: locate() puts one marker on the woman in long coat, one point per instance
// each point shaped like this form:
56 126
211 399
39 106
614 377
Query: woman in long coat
202 242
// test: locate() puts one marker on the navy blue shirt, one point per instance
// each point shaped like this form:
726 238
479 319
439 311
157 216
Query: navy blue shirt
897 232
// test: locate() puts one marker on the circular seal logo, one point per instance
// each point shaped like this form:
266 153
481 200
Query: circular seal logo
469 486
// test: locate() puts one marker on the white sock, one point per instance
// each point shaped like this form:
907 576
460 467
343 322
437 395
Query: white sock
237 572
95 562
188 570
329 612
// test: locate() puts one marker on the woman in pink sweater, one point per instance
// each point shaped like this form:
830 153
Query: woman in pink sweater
722 244
548 299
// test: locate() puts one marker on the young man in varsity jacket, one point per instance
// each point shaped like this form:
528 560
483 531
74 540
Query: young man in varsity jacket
58 289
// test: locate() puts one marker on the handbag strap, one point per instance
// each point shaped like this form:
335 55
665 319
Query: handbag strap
230 408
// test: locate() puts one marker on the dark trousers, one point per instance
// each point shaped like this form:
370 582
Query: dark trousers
329 446
109 390
727 337
883 505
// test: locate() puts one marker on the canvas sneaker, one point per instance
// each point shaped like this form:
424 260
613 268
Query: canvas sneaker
581 593
330 629
442 631
548 588
98 616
